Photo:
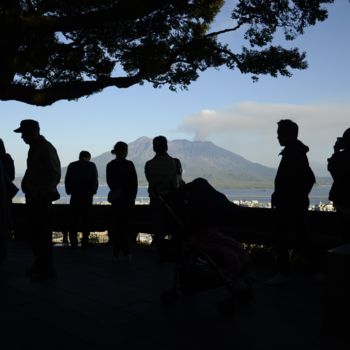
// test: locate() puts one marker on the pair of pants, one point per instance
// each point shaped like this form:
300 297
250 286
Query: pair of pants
289 232
80 211
121 228
39 232
159 216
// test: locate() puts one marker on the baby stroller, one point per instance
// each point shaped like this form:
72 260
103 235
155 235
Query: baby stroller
205 257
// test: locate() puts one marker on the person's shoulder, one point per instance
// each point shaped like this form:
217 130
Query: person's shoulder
150 161
74 163
45 141
129 162
110 163
47 145
8 157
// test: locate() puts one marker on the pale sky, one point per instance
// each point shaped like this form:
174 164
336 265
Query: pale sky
221 106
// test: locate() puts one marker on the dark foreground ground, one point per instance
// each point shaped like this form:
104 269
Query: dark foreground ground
99 303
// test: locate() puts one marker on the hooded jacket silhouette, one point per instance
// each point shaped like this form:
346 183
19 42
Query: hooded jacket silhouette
294 178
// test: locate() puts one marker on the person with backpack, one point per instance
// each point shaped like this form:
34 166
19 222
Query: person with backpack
164 175
290 199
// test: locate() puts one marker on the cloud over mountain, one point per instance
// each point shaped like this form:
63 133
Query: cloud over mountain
249 128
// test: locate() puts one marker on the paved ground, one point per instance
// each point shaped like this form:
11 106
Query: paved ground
98 303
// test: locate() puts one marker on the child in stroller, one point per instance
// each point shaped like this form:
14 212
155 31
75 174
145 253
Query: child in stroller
206 257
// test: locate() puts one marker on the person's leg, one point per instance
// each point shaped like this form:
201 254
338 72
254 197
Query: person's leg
3 244
157 215
343 227
41 238
280 245
85 222
125 231
282 229
31 213
65 237
115 230
73 238
74 219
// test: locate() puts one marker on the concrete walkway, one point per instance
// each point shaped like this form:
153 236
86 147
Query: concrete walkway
98 303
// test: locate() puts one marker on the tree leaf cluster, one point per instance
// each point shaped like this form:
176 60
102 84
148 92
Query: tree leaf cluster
66 49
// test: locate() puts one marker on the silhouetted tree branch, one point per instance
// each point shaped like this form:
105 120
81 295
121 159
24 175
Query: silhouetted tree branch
65 49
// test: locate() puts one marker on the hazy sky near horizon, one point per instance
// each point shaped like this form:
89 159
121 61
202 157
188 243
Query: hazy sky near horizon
221 106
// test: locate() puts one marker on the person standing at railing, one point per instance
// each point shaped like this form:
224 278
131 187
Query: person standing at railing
9 176
122 181
339 167
164 174
4 215
290 199
39 185
81 182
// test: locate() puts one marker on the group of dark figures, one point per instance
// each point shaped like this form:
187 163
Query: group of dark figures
293 183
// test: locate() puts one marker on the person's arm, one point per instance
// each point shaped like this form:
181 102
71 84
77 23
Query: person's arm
95 186
179 172
68 180
10 168
133 180
54 167
147 172
51 175
109 175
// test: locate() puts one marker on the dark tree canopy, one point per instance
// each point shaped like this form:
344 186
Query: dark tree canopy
65 49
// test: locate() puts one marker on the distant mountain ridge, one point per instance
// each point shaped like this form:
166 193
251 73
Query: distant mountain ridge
222 168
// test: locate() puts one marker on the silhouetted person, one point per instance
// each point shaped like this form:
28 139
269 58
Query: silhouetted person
122 181
4 215
339 167
7 162
9 176
290 199
39 185
164 174
81 183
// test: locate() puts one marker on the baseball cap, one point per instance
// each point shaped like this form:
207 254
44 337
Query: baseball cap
28 125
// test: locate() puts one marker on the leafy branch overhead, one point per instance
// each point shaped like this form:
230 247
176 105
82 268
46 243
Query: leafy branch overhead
65 49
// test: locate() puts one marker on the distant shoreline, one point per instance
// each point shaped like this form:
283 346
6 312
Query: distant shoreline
263 195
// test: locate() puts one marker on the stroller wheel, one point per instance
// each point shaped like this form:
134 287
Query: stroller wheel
169 297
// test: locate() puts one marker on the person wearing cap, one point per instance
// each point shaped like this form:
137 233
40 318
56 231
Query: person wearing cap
39 185
122 181
339 168
164 174
81 182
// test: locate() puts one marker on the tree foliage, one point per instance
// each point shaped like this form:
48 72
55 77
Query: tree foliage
66 49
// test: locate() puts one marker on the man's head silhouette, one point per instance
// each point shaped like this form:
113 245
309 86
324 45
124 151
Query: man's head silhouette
29 129
287 132
160 145
120 149
84 155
